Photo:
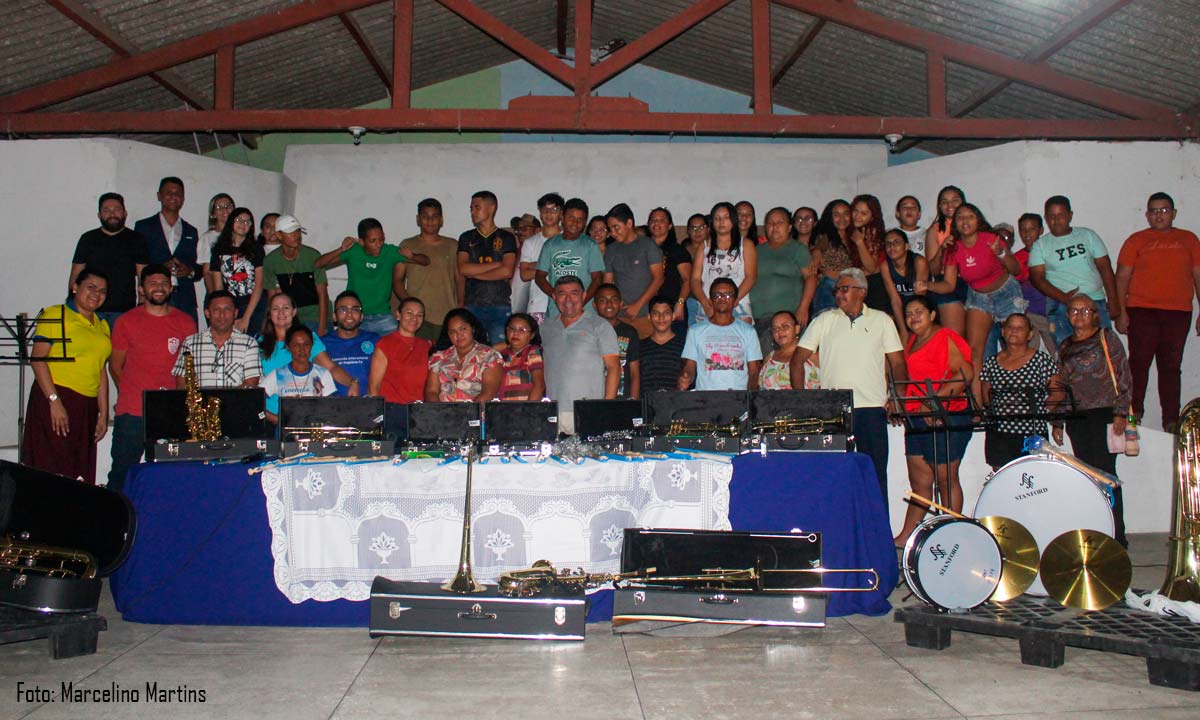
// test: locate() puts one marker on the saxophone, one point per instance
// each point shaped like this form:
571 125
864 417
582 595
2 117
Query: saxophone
1183 565
203 417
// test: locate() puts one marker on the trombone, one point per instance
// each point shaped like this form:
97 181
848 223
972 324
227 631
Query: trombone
752 579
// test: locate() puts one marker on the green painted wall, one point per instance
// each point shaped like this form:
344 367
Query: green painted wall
477 90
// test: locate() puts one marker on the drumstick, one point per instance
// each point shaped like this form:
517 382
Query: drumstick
908 495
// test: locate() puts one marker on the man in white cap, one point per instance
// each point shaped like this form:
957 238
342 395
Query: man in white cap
292 268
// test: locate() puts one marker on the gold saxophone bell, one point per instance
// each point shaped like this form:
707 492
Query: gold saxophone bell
203 417
1183 565
464 581
21 557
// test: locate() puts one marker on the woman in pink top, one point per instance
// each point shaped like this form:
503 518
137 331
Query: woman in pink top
977 255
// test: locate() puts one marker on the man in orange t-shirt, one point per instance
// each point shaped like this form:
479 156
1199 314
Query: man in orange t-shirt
1158 273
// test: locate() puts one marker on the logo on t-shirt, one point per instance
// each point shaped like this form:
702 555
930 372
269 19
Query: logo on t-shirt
172 345
367 347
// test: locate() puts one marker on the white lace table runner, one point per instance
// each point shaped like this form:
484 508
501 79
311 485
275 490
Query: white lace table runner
336 526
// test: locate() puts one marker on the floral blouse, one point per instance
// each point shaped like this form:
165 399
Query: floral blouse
775 374
518 372
462 379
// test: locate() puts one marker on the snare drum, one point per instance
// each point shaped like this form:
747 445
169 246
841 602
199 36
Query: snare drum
952 563
1049 498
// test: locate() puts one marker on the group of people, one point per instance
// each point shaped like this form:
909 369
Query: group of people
568 306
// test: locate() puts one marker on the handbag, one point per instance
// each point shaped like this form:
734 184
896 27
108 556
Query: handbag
1117 443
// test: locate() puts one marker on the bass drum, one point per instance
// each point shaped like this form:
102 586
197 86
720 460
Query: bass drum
952 563
1049 498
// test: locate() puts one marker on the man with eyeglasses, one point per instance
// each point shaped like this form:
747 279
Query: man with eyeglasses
571 252
527 295
1158 274
1069 260
858 348
721 354
224 357
348 344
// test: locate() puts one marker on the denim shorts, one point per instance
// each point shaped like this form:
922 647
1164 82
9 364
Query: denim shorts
922 443
958 295
999 303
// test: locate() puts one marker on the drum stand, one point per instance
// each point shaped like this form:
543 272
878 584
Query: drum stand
15 349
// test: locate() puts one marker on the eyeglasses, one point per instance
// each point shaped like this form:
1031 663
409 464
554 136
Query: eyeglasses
846 288
696 228
223 206
1158 211
724 295
1081 311
520 330
355 309
243 221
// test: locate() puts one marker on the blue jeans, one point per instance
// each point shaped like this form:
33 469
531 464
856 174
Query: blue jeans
871 439
128 437
381 324
823 299
1061 327
492 317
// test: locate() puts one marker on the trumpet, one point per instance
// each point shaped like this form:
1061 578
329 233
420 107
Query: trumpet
683 427
321 433
792 426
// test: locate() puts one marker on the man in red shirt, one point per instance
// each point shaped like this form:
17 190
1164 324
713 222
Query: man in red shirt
1158 273
145 345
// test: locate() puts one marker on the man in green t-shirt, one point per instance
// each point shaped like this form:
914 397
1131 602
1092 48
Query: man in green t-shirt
292 269
373 268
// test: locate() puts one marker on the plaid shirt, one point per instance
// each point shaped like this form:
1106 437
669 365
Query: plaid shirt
227 366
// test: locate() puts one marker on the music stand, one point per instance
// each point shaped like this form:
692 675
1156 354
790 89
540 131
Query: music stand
15 347
932 415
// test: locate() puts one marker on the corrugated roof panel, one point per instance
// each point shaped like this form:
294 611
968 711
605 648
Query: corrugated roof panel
39 44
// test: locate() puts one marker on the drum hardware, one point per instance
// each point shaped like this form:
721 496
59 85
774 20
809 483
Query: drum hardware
1182 582
1086 569
464 581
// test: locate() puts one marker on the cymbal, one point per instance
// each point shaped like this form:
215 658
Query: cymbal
1020 556
1086 569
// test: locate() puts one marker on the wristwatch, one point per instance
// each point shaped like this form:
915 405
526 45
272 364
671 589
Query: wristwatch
52 397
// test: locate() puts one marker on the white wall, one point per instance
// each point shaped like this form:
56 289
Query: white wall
1108 184
48 195
337 185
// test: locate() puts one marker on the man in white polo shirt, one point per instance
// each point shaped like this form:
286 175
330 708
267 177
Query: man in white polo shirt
858 348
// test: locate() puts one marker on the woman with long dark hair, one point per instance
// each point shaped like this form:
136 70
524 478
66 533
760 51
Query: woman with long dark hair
975 254
281 317
831 247
747 219
903 270
524 376
866 217
725 254
235 264
463 367
952 305
677 263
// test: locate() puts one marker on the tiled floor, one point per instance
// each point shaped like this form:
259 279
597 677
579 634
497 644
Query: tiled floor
856 667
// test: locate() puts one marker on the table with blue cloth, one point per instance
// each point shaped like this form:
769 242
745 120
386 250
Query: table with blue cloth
205 551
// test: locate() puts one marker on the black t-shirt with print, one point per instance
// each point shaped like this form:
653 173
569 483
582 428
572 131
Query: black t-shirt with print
489 249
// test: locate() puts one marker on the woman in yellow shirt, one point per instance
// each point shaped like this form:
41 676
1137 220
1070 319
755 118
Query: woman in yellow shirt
67 411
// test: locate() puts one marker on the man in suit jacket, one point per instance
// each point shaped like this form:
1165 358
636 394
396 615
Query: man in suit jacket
172 241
